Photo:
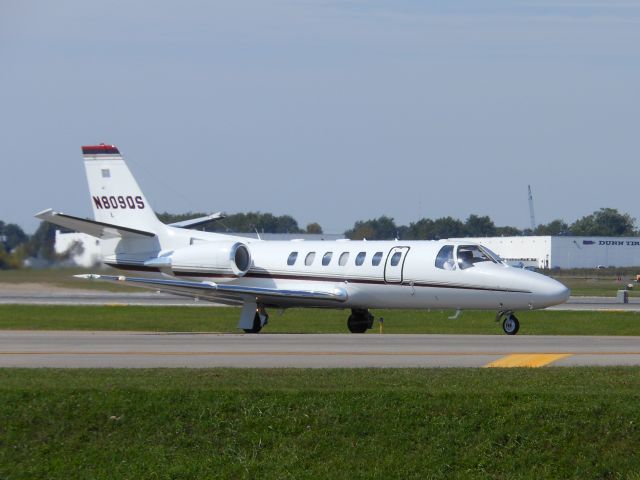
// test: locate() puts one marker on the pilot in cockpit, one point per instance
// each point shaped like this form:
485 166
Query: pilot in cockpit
465 259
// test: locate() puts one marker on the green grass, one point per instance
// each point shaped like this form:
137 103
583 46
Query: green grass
334 424
582 286
225 319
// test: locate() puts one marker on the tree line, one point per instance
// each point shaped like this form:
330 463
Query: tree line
246 223
606 222
16 246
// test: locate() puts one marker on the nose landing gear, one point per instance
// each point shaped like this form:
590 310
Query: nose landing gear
510 323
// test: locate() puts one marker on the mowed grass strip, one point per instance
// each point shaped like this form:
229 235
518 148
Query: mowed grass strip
225 319
598 287
364 423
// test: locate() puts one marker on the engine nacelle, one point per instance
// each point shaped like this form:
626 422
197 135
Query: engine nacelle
220 258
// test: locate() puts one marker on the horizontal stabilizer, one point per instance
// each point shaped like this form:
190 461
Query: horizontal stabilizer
200 289
196 222
91 227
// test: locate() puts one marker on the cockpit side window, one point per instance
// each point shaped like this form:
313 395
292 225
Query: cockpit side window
444 260
469 255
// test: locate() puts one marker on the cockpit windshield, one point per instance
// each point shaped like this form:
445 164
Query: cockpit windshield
469 255
494 256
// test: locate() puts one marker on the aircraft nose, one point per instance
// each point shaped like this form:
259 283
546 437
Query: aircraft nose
552 292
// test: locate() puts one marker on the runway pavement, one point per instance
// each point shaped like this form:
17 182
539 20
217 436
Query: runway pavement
598 304
136 350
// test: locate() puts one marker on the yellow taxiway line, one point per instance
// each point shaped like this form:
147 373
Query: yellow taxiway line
532 360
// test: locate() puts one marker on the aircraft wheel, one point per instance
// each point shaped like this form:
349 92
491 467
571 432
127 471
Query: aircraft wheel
355 324
257 324
359 321
510 324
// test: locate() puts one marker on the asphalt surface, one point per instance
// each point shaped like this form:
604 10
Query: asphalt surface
137 350
140 349
602 304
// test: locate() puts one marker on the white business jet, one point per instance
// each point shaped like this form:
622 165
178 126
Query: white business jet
258 274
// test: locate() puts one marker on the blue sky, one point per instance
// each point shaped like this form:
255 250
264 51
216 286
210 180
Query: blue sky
329 111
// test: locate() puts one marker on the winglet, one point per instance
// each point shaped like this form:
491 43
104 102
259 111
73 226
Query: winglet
88 276
95 276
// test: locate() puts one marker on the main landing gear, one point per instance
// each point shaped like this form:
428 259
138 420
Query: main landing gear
260 319
360 320
510 323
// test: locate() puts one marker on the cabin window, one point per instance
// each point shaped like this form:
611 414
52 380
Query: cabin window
326 258
293 256
444 260
344 258
375 260
395 259
311 256
360 258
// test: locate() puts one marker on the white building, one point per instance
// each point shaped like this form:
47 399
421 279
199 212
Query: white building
83 250
564 251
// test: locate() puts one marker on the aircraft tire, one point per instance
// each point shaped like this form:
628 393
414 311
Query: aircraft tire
257 325
360 321
510 324
356 324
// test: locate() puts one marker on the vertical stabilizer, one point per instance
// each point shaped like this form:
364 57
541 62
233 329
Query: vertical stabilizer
115 195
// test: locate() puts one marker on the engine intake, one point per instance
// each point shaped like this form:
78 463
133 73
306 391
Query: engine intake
240 258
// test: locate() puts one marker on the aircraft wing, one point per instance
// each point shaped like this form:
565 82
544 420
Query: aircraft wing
91 227
223 293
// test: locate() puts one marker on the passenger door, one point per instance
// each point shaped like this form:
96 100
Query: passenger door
394 264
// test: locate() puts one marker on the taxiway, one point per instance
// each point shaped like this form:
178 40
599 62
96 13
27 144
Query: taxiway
148 350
